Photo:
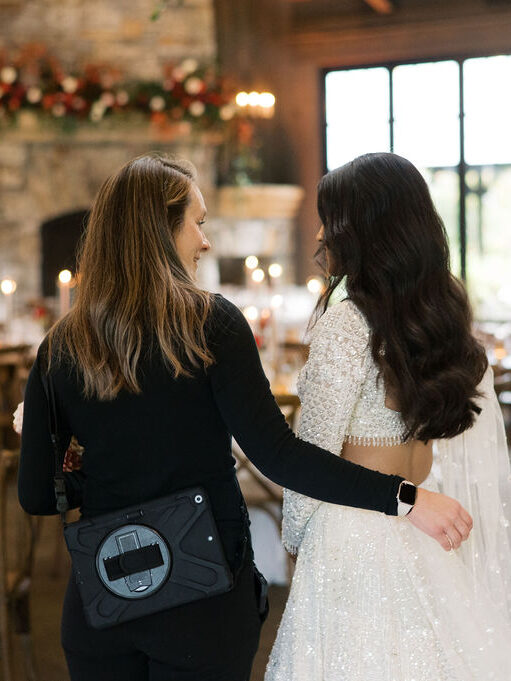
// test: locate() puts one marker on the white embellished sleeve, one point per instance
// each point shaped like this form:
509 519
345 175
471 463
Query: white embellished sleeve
329 387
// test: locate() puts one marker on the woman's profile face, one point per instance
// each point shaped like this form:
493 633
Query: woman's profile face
190 239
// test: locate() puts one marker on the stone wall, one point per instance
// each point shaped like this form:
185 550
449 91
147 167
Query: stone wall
44 173
117 32
41 178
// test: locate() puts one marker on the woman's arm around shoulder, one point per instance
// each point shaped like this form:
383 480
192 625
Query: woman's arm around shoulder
243 396
245 402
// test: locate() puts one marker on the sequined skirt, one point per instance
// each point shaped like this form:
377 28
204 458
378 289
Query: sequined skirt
375 599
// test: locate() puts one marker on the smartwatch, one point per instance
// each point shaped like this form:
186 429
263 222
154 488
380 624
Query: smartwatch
406 496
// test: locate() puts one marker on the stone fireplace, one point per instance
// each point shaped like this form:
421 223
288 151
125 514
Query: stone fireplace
42 177
46 173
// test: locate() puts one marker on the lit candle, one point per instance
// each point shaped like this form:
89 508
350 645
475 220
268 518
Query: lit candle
266 104
258 275
8 286
275 270
256 104
314 285
65 278
251 313
251 262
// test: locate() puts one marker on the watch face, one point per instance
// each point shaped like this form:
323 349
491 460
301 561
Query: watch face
407 494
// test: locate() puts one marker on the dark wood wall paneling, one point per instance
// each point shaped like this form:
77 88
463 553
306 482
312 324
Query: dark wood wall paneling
282 45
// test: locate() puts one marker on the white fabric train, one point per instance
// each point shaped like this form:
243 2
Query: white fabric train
373 598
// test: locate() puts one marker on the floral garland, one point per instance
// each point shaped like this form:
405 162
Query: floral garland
162 5
36 81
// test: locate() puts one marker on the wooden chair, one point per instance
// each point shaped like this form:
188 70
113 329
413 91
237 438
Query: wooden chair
14 364
18 535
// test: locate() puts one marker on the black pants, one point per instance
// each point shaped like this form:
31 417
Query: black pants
214 639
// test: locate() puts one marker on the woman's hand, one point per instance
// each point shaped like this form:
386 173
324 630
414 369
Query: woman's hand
441 517
17 418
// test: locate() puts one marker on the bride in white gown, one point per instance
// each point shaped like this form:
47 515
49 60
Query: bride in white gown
373 598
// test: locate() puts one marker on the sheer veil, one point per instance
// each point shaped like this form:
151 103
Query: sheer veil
474 468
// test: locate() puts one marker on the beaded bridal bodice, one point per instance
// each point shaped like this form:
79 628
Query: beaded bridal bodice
341 369
343 399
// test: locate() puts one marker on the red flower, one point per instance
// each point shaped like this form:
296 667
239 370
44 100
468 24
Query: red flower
48 101
158 118
40 312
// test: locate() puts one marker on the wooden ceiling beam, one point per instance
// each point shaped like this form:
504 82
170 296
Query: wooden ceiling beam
381 6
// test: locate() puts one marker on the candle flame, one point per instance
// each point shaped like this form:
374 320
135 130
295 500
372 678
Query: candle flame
258 275
275 270
314 285
65 276
8 286
251 313
251 262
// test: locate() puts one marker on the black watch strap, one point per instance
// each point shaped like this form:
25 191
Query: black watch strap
406 497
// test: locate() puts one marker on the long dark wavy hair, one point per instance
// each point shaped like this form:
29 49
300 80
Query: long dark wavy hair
384 238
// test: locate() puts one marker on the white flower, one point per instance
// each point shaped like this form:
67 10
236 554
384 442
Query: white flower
107 99
178 74
58 109
193 86
122 98
227 112
107 81
197 108
157 103
189 65
79 103
97 111
17 418
34 95
8 74
69 84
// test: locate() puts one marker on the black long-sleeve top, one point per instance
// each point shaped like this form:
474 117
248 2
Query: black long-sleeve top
177 433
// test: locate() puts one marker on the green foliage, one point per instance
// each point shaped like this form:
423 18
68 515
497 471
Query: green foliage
162 5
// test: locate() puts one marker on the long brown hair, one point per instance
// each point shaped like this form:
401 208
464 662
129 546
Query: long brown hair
388 245
132 282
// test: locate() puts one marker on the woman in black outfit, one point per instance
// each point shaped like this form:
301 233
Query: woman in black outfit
153 376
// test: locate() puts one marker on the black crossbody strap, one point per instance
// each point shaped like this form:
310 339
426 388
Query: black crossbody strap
245 543
58 479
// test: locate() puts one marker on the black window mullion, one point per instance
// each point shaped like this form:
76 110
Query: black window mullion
462 169
391 108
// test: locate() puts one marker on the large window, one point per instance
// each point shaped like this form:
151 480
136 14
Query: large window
452 119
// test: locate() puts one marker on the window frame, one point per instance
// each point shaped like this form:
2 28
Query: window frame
462 165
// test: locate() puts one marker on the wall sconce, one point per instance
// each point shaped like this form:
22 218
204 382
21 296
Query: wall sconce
257 104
